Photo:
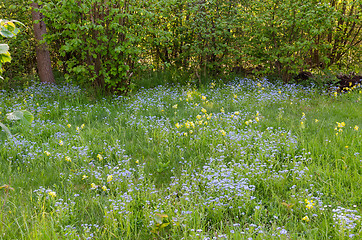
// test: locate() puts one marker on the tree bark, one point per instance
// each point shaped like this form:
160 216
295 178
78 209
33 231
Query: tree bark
45 70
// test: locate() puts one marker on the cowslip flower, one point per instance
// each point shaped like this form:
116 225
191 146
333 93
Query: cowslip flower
109 178
310 204
52 194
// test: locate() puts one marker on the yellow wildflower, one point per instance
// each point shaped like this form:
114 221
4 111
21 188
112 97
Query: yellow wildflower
47 153
356 128
68 125
306 218
99 156
109 178
203 110
310 204
104 188
68 159
52 194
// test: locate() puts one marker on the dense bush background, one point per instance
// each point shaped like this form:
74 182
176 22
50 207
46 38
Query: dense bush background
111 42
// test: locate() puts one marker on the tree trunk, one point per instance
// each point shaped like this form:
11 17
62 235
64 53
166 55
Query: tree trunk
42 53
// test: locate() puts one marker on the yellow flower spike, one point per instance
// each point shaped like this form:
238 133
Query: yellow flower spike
52 194
356 128
346 146
235 96
203 110
82 126
68 125
259 85
174 106
61 142
237 113
93 186
100 157
68 159
257 119
316 120
104 188
47 153
203 98
306 218
177 125
137 162
84 177
109 178
222 110
223 132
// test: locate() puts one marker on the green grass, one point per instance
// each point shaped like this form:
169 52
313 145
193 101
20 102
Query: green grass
222 161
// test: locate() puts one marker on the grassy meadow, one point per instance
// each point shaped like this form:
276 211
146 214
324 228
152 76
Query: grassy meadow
242 160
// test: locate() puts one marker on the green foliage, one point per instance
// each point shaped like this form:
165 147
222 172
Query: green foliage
111 43
8 29
24 116
97 40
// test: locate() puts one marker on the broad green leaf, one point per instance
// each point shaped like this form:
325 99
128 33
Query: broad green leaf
4 48
23 115
5 129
